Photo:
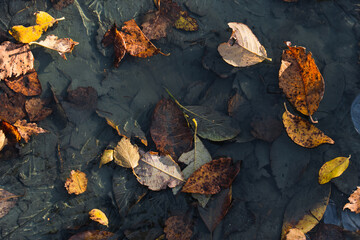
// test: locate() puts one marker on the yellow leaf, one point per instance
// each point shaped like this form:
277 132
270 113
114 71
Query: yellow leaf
302 132
106 157
185 22
26 34
333 168
126 154
45 20
98 216
77 182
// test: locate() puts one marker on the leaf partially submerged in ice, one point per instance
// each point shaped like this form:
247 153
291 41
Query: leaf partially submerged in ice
7 201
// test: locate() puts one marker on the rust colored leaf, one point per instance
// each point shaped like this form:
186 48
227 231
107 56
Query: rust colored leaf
27 129
92 235
155 25
12 107
303 132
36 110
83 97
178 228
11 132
169 129
7 201
27 85
300 79
60 4
77 182
212 177
114 36
15 59
354 201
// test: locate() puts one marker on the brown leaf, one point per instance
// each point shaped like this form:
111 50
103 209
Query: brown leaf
155 25
36 110
266 128
212 176
301 80
77 182
178 228
216 209
27 84
27 129
169 129
113 36
126 154
60 4
12 134
12 107
7 202
92 235
83 97
329 232
354 201
15 59
158 172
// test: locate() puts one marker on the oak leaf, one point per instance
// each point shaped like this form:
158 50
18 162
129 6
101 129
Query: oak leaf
333 168
27 129
93 235
301 80
61 45
36 110
3 140
303 132
98 216
243 48
27 84
158 172
77 182
15 59
178 227
114 36
11 132
7 201
211 177
126 154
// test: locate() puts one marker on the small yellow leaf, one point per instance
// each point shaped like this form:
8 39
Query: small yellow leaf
77 182
185 22
98 216
26 34
333 168
106 157
44 19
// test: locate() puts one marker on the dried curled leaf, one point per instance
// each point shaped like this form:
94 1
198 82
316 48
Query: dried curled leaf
11 132
302 132
114 36
243 48
61 45
77 182
126 154
27 129
354 201
301 80
106 157
15 59
3 140
27 84
98 216
333 168
212 176
7 201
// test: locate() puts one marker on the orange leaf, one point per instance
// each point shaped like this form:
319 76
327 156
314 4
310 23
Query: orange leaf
113 36
27 129
98 216
12 134
354 201
27 85
3 140
36 110
77 182
301 80
212 176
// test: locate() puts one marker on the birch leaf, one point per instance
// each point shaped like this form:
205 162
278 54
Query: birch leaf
126 154
243 48
333 168
98 216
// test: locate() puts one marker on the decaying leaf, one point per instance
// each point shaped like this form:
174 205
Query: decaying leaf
330 232
211 177
27 129
243 48
11 132
114 36
354 201
155 25
178 228
77 182
92 235
7 202
185 22
266 128
60 4
301 80
106 157
333 168
83 97
61 45
15 59
12 106
302 132
98 216
45 20
169 129
27 84
158 172
126 154
3 140
36 110
295 234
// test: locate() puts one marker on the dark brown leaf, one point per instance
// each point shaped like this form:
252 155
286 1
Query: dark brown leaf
28 84
92 235
36 110
83 97
113 36
266 128
155 25
12 107
329 232
178 228
60 4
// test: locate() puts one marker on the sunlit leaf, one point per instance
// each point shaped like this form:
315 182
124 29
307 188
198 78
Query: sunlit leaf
27 84
7 201
3 140
98 216
27 129
295 234
45 20
26 34
354 201
11 132
106 157
126 154
333 168
77 182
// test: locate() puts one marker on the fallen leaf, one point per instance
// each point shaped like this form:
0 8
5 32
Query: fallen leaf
169 129
186 23
12 107
7 202
126 154
329 232
45 20
27 129
295 234
26 34
60 4
11 132
77 182
15 59
107 157
178 228
243 48
333 168
155 25
98 216
83 97
217 209
114 36
92 235
266 128
211 177
301 80
27 84
3 140
354 201
36 110
302 132
158 172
